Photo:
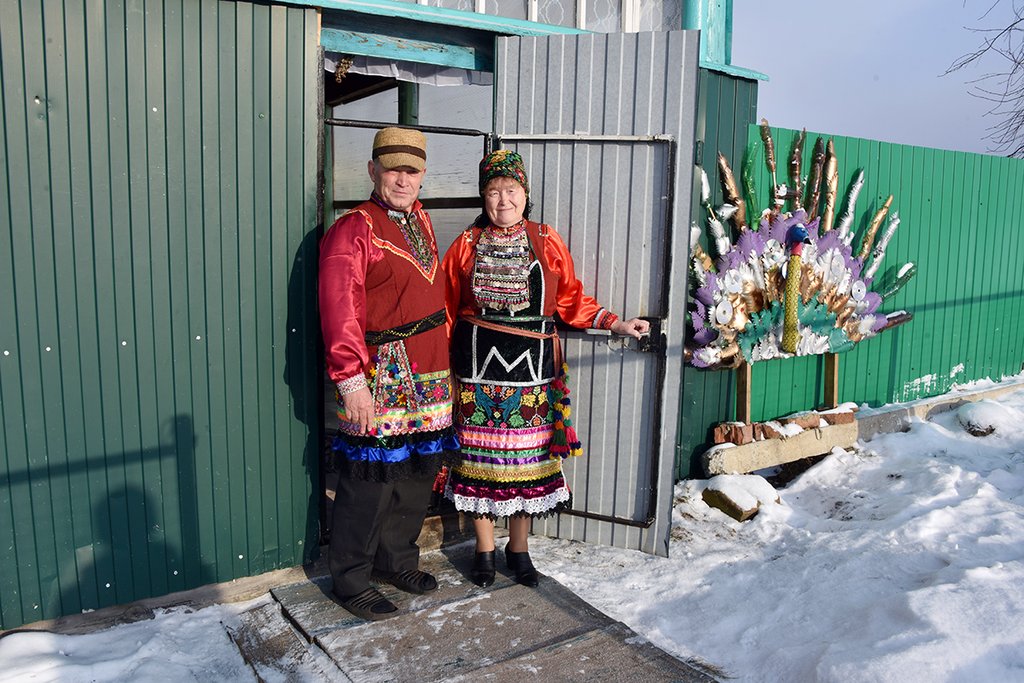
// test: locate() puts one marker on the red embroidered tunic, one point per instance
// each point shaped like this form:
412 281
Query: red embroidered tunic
379 271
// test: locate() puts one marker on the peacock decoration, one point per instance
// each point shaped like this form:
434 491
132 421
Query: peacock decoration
792 285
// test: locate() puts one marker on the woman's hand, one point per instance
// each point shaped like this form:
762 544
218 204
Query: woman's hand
359 409
634 327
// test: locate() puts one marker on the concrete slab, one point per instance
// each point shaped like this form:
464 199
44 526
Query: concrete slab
613 654
274 651
462 632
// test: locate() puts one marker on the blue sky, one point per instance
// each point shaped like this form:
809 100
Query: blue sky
870 69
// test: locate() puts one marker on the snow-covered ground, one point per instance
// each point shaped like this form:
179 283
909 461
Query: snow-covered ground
901 561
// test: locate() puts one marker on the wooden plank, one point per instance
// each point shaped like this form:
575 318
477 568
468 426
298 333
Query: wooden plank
743 385
440 15
236 590
831 398
405 49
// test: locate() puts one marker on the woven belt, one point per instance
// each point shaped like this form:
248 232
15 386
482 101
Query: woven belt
519 332
435 319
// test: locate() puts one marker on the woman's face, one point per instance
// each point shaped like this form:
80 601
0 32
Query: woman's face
504 201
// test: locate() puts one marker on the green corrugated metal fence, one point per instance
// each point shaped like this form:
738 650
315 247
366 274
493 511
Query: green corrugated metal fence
960 223
157 294
726 106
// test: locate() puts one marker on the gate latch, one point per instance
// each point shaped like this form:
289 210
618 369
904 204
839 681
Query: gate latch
653 341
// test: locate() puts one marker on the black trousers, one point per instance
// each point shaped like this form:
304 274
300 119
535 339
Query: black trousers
375 526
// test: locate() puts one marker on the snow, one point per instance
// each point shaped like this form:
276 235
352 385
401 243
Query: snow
746 490
179 644
901 560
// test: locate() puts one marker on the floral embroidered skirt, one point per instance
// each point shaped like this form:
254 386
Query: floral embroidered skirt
510 463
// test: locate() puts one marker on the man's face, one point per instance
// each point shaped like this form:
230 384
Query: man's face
399 187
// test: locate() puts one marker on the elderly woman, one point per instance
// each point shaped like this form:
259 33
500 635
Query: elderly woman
507 277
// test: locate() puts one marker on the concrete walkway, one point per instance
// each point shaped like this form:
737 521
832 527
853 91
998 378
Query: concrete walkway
462 632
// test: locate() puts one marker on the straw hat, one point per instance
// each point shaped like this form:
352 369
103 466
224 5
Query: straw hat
394 147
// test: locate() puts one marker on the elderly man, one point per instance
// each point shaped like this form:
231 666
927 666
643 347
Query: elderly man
386 343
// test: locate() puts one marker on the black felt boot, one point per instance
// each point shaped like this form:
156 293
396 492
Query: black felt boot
483 569
520 563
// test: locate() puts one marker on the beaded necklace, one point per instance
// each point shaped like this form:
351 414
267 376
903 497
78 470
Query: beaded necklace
502 267
409 225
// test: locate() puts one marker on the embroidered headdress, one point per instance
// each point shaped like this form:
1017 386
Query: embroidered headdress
503 163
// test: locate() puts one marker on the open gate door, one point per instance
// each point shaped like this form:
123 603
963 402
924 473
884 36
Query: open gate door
605 123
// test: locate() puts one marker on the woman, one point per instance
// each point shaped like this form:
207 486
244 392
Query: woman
506 279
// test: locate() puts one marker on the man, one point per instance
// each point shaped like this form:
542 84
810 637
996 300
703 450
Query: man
386 343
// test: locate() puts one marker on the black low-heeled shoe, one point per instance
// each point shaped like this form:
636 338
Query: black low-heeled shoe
526 573
483 569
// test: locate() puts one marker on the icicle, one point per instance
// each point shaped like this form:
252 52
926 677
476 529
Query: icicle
814 181
831 187
795 162
879 251
869 235
851 204
908 271
732 193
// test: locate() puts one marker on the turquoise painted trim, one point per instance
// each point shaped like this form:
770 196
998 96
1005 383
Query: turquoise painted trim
404 49
734 70
440 15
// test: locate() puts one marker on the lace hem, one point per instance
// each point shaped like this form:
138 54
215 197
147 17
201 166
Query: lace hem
544 506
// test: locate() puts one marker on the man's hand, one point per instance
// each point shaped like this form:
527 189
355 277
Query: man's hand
359 409
634 327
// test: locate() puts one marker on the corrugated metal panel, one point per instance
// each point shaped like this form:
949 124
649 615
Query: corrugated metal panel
157 280
960 216
611 200
727 105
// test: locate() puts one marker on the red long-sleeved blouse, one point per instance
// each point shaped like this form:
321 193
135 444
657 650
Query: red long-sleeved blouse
563 290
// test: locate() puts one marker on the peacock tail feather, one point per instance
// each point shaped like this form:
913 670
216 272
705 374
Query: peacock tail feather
754 299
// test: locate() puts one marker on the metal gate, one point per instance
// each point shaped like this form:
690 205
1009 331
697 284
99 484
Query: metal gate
606 125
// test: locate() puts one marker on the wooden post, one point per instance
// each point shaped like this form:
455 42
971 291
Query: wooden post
408 104
743 376
831 380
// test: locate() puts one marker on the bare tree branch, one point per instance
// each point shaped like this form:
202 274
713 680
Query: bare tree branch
1004 87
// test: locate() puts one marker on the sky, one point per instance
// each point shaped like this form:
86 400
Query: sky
871 68
899 560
